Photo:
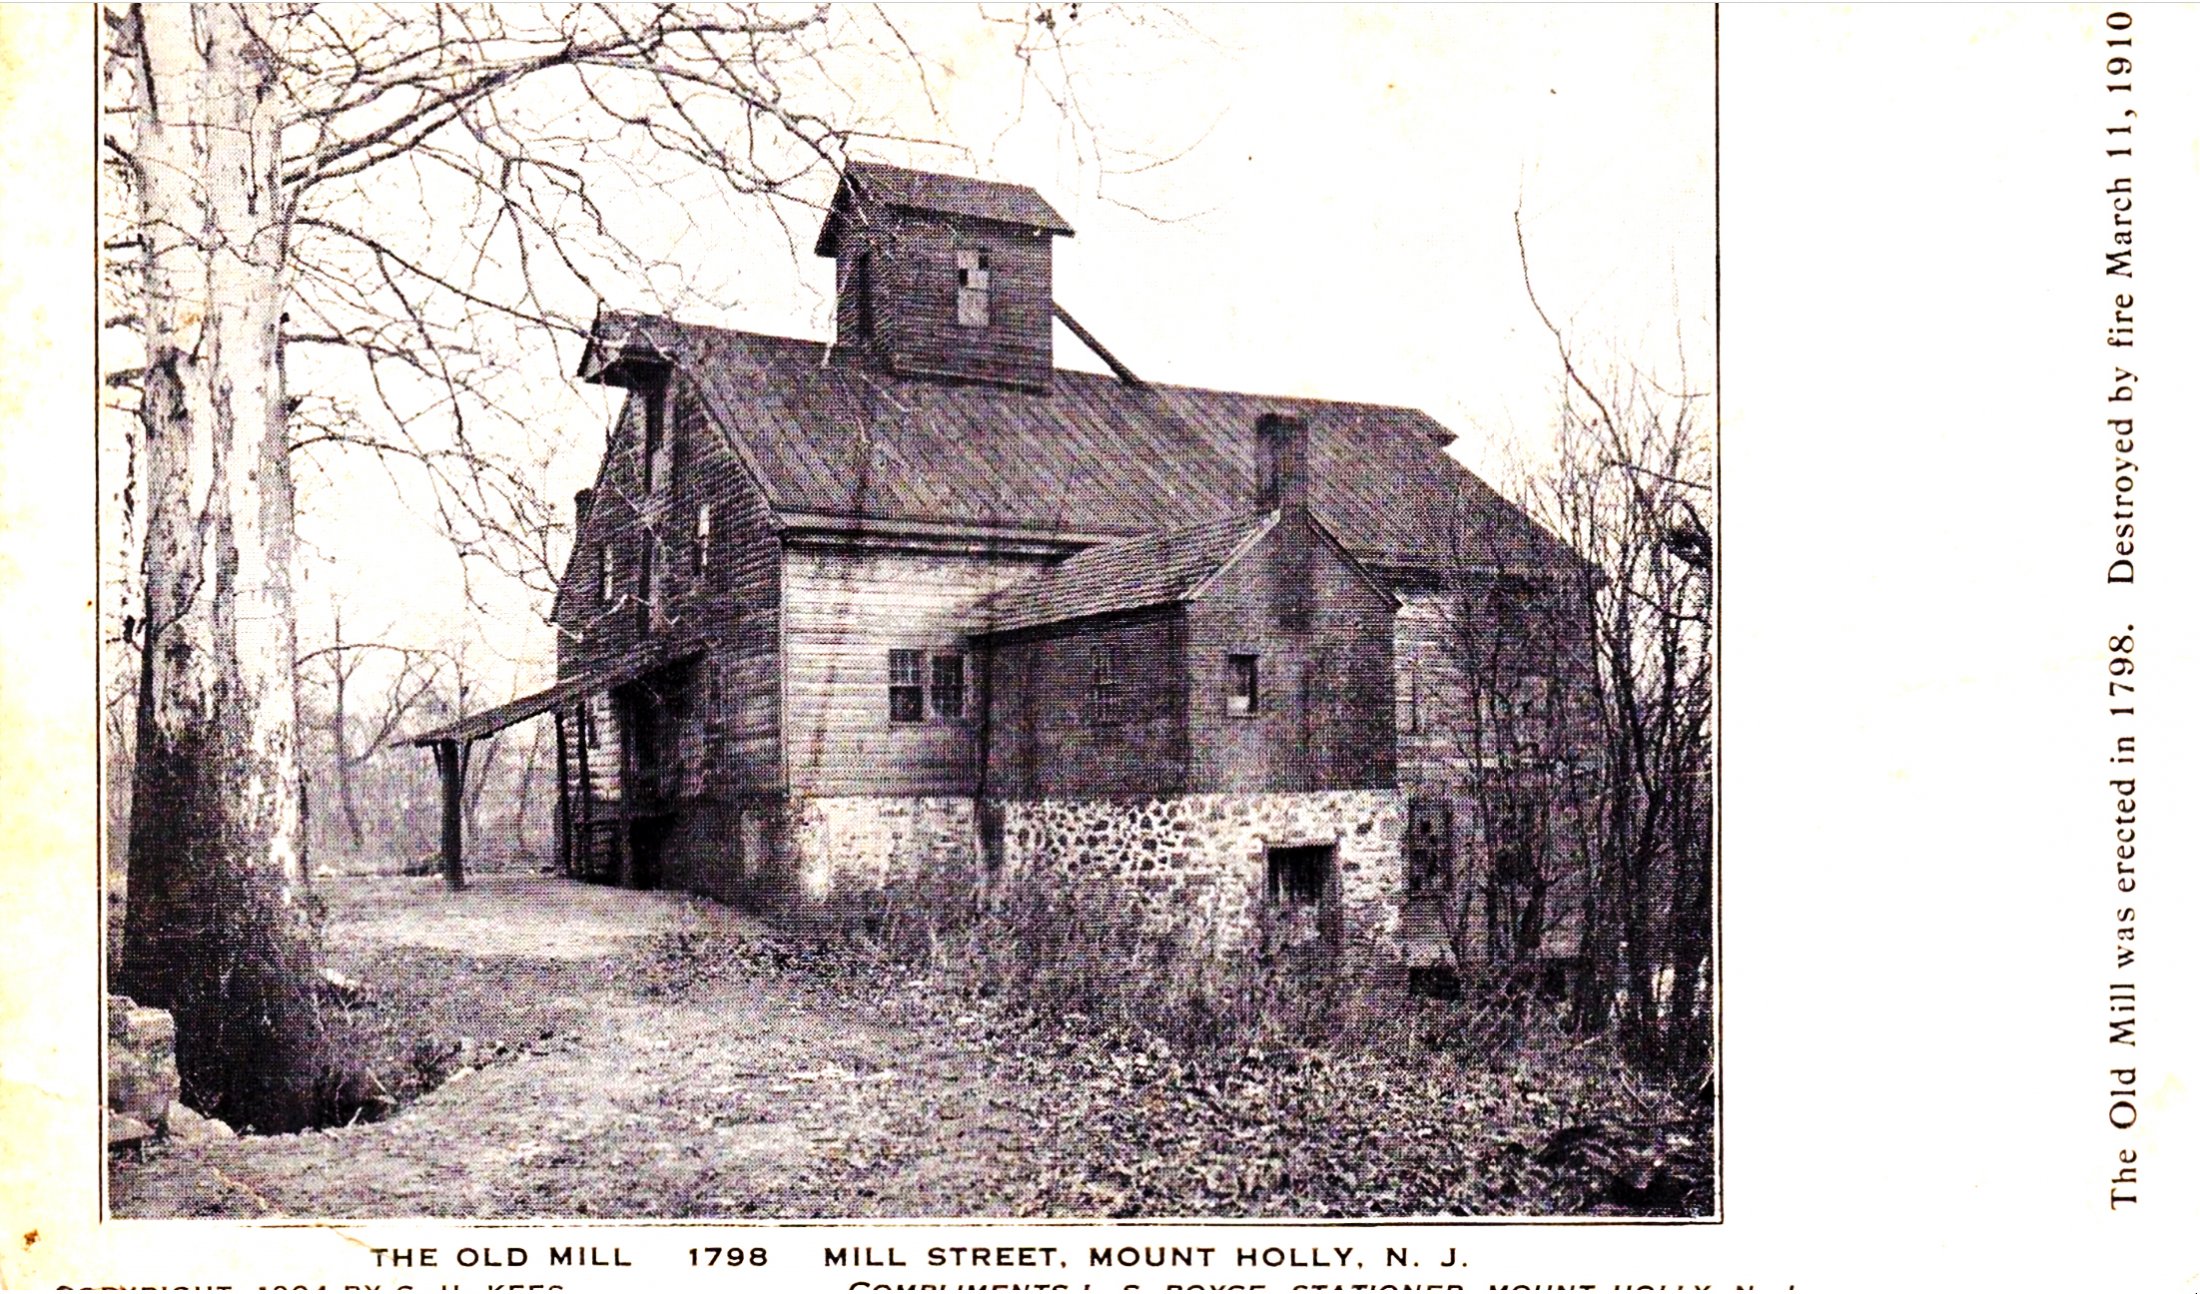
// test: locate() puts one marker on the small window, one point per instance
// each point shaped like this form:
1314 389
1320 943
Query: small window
607 576
1299 874
1244 685
1106 695
905 686
1428 845
973 289
656 443
702 539
947 685
1515 712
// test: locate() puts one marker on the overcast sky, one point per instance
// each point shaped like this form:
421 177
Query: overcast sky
1340 226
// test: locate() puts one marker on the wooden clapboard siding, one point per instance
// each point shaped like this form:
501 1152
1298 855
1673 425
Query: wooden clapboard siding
594 759
914 299
1449 648
1047 736
729 736
1169 613
846 608
1456 761
596 828
1434 704
1322 634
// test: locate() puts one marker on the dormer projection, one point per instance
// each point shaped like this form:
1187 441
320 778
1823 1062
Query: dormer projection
944 276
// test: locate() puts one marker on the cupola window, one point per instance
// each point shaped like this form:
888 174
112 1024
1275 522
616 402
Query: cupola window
973 289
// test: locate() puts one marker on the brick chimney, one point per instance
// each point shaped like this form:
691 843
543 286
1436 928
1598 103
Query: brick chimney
582 499
1280 452
1280 455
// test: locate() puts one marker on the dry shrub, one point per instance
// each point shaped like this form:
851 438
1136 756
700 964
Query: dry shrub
1094 954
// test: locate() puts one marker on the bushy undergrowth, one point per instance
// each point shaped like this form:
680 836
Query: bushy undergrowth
1145 1072
1284 1079
1091 953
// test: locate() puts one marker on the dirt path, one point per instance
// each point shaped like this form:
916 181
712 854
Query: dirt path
746 1091
580 1051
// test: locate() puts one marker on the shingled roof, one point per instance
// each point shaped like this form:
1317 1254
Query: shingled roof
1127 575
835 443
894 187
624 669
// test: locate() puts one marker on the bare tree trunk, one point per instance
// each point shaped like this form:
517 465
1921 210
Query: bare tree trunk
1689 1029
347 797
339 733
217 929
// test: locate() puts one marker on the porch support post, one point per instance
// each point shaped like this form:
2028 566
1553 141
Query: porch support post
565 801
584 846
450 765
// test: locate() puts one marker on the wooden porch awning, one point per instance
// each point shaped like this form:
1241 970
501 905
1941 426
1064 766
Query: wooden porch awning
454 741
625 669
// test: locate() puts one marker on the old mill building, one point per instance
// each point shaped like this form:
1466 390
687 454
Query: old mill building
917 607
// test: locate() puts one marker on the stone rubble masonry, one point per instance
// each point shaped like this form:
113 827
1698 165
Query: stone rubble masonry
1200 859
1204 858
142 1082
187 1125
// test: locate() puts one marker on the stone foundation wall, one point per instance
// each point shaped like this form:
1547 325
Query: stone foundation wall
142 1084
1204 858
1193 861
842 848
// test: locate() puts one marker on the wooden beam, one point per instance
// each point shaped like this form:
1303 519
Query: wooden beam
565 799
451 765
1122 372
586 846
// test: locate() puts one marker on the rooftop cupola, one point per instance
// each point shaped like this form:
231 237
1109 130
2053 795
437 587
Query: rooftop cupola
944 276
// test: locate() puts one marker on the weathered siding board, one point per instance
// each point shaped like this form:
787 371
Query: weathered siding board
1048 738
730 608
846 608
600 732
913 299
1450 650
1322 635
1453 750
1435 702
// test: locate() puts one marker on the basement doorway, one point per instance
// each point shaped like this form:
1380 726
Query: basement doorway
1303 915
1298 875
646 839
